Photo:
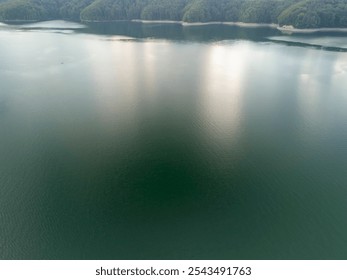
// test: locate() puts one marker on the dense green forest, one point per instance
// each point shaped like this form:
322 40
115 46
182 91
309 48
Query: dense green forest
299 13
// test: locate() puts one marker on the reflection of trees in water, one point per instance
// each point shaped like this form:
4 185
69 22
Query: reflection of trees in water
210 32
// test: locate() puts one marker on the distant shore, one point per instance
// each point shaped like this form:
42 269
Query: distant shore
288 29
184 23
285 29
19 21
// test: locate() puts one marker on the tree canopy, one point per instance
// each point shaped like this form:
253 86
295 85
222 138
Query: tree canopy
299 13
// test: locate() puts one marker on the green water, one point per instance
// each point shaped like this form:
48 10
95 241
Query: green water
131 141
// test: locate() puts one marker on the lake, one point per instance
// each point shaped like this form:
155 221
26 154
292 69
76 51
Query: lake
160 141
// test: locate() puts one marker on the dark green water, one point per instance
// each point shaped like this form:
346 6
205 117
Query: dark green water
130 141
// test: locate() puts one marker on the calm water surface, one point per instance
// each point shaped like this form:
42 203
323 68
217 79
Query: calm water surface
132 141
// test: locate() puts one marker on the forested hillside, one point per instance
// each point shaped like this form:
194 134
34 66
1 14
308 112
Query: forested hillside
299 13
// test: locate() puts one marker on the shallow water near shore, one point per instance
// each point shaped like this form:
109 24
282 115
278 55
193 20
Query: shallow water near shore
157 141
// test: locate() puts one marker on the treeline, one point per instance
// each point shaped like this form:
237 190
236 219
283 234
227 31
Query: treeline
299 13
315 13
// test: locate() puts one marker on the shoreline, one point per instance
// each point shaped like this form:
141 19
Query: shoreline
184 23
290 29
21 21
286 29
